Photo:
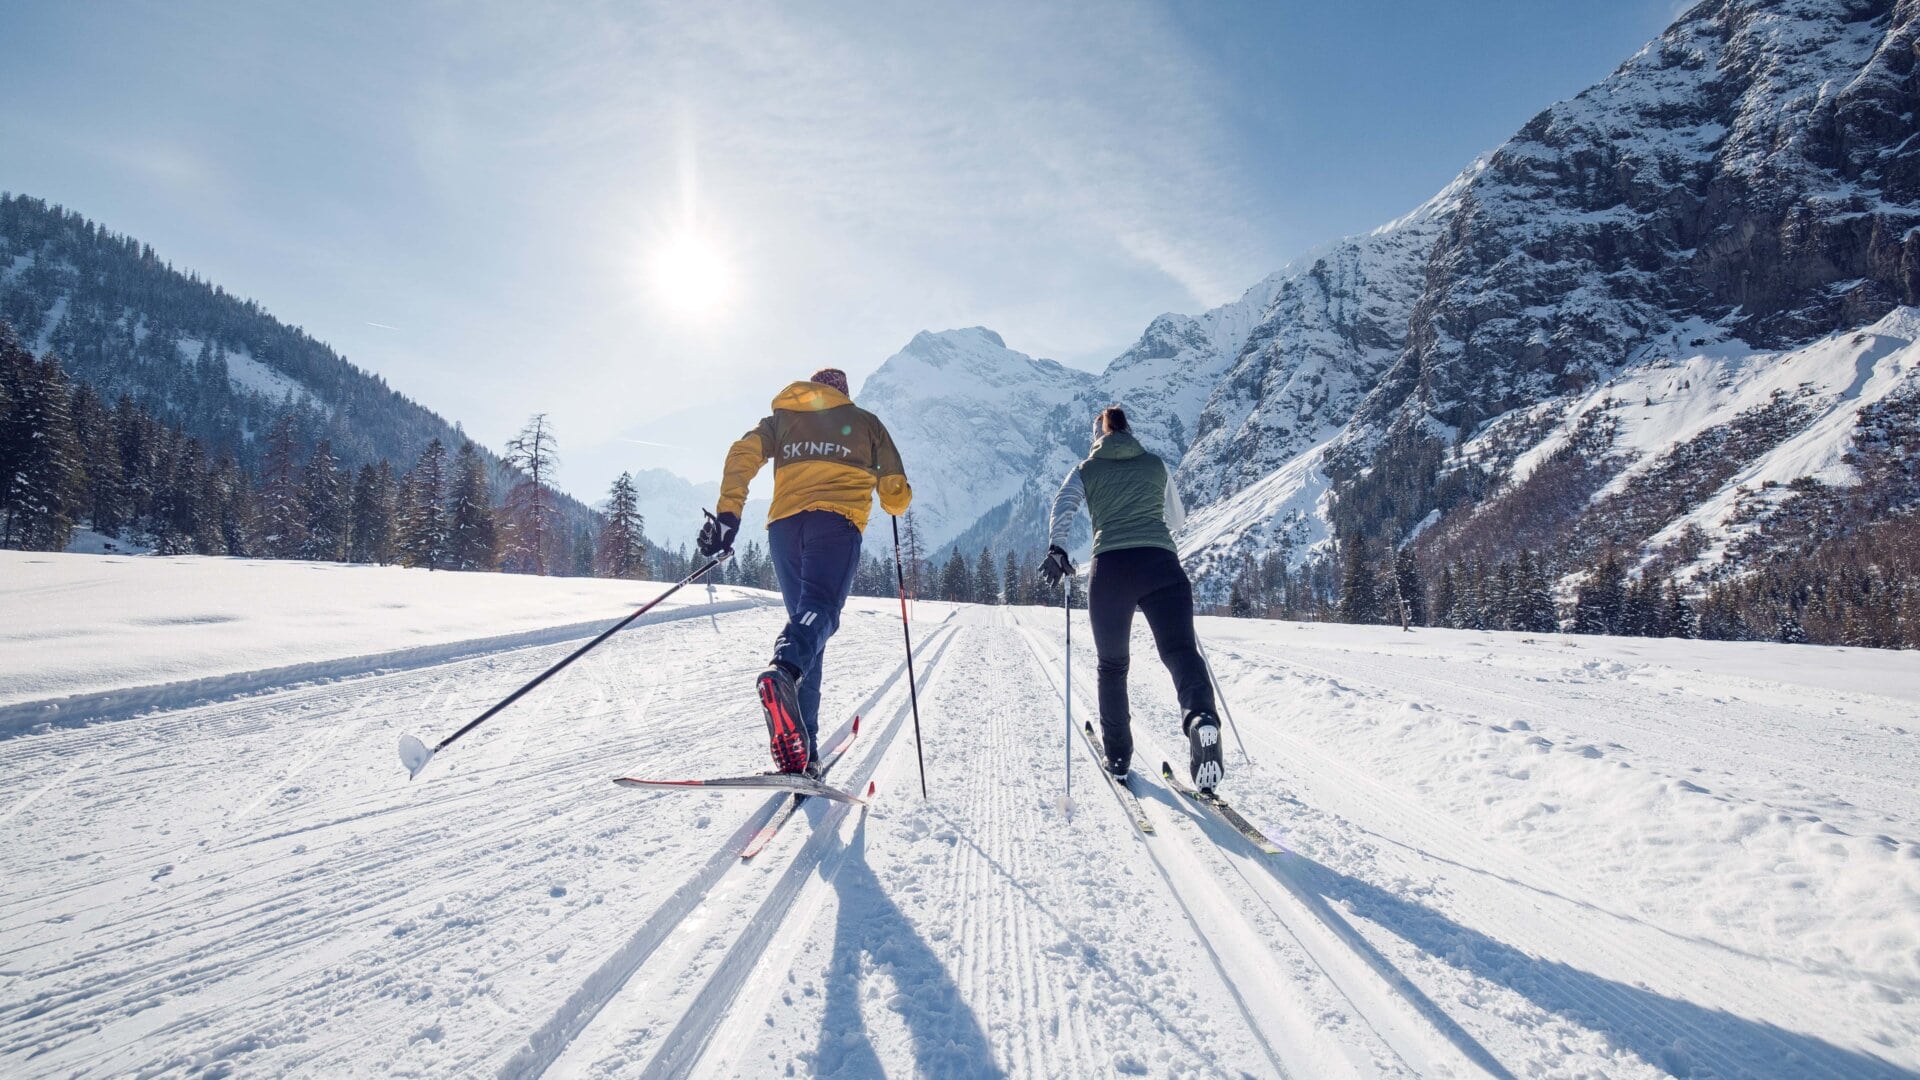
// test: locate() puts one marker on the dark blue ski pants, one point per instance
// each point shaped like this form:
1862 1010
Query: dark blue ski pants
815 554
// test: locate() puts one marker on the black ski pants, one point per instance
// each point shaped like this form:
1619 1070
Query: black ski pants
1151 580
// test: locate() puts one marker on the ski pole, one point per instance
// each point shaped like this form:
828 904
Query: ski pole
913 690
415 754
1066 605
1221 697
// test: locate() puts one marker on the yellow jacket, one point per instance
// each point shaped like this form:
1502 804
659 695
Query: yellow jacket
828 454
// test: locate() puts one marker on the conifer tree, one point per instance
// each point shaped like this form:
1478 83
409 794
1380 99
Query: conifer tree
372 534
580 553
1358 600
1010 580
424 528
985 581
1601 602
1409 592
956 582
41 484
103 502
283 519
324 496
1532 601
472 542
1444 599
1679 621
623 541
235 516
176 509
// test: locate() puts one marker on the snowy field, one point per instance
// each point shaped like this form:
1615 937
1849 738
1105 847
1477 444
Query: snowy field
1507 856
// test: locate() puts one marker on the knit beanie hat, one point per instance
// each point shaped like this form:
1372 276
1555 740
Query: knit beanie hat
832 376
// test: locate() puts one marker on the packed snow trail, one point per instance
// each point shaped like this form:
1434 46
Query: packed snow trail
1506 855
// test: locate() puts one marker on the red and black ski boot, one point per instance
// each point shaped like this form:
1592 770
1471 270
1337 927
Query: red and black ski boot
786 737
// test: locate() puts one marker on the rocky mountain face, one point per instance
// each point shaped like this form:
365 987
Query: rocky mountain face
975 422
1743 188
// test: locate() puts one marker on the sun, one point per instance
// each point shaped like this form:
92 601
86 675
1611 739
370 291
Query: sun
691 276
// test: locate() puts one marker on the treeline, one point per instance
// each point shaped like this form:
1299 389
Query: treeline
68 460
1862 589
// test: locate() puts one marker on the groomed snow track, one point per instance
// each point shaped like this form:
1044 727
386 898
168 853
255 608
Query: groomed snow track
252 886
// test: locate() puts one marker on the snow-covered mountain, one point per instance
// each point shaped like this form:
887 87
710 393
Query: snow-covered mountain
974 420
197 357
1737 200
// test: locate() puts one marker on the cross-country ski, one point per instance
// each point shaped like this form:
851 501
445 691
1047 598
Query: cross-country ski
767 832
799 785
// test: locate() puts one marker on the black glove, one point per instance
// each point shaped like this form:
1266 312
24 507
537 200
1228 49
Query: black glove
1057 565
717 534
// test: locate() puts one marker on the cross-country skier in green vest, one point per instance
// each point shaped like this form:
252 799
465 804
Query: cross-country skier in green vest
1135 509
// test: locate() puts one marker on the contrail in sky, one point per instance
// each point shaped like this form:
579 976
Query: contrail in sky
643 442
381 325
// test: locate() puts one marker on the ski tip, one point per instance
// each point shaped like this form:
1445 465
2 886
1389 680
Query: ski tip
871 785
856 723
1166 769
1087 726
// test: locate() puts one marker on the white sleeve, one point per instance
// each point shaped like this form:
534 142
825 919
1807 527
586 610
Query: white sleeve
1073 492
1176 513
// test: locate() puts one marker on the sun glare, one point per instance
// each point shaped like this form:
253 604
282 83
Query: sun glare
691 277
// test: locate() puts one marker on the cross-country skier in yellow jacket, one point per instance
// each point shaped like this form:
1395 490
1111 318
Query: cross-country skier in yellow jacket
830 457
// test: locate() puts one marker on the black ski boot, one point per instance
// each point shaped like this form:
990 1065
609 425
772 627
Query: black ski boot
1117 768
1206 763
786 737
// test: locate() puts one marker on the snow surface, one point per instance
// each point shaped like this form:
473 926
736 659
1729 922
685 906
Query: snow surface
84 625
1507 855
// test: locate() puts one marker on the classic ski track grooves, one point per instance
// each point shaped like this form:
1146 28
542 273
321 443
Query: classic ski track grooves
683 1044
1424 1039
266 921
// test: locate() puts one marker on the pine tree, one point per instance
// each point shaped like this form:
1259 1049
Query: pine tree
580 552
41 485
103 502
623 541
283 519
372 534
1679 621
1409 592
1358 600
532 509
176 510
1532 602
956 581
424 528
236 511
913 559
472 543
1010 590
1640 617
985 581
1444 598
1600 605
323 494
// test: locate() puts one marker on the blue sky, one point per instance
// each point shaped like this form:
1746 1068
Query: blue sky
645 218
